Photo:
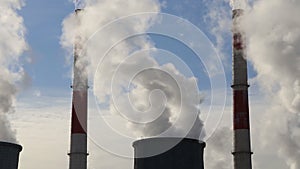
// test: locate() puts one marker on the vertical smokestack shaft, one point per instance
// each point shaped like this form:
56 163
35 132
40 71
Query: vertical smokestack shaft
242 146
78 154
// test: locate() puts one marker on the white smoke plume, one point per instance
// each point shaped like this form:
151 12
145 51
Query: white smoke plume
238 4
79 4
273 37
218 148
273 47
12 45
145 89
219 21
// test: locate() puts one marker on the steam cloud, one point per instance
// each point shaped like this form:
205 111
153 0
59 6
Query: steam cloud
12 45
157 86
274 38
218 149
79 4
238 4
273 35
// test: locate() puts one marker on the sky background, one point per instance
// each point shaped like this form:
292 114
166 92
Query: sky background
42 117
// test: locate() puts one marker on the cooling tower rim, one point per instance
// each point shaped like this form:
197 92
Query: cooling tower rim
194 141
7 144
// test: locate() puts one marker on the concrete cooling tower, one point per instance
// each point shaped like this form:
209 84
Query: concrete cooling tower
168 153
9 155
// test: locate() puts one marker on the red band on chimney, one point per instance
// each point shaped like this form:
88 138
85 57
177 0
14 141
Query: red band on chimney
238 41
240 109
76 124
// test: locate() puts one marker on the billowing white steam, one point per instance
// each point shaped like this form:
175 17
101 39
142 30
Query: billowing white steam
146 86
12 45
79 4
238 4
218 149
273 40
273 32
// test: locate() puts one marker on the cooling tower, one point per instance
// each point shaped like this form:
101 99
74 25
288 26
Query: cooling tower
168 153
9 155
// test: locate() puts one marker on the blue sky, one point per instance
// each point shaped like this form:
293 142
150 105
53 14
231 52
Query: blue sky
43 23
49 69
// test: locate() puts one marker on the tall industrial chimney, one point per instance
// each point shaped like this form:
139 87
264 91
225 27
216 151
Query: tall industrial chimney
168 153
241 125
9 155
78 154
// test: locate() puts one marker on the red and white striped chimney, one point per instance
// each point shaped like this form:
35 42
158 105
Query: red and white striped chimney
78 153
241 125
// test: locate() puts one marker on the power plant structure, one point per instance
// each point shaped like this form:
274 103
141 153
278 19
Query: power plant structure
9 155
168 153
241 124
182 152
78 152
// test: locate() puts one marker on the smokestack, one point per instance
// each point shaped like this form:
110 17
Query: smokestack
78 154
9 155
241 125
168 153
